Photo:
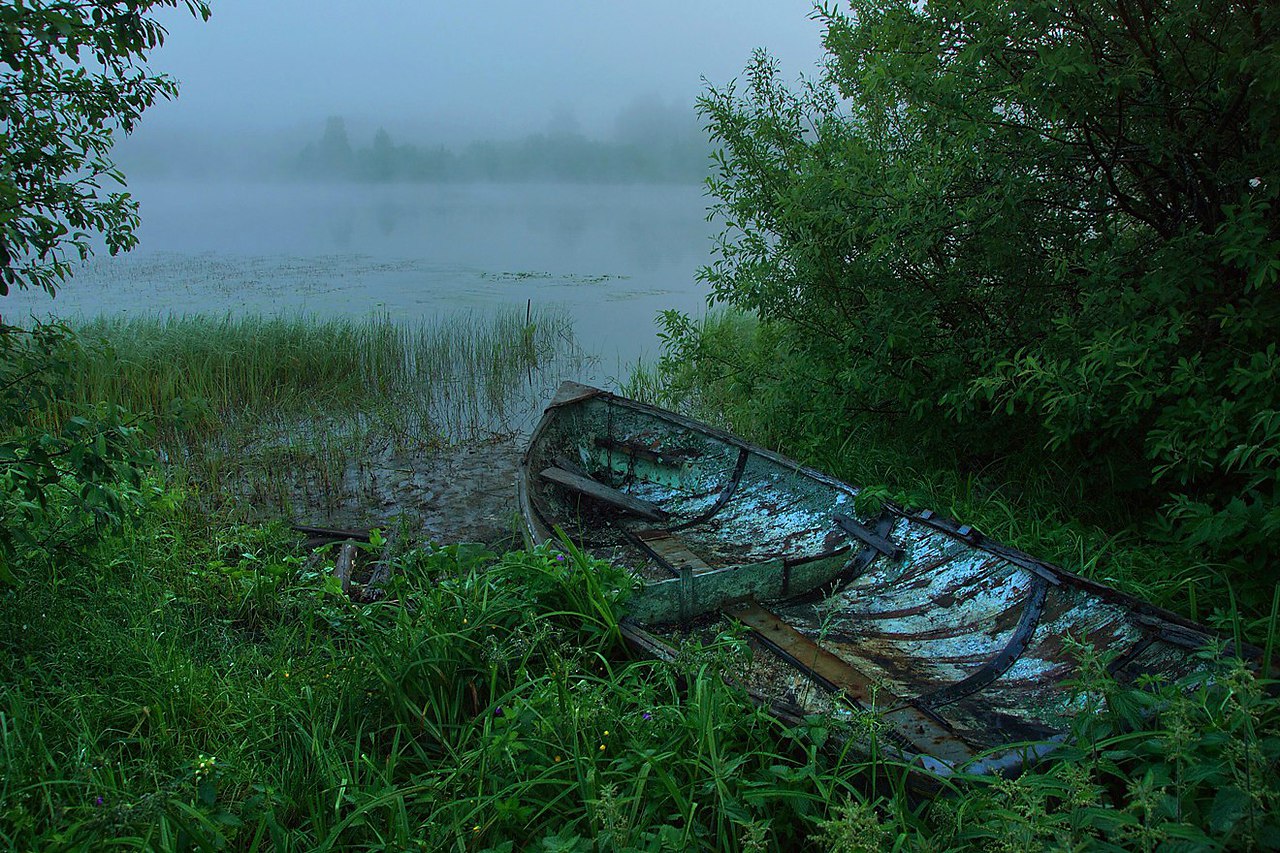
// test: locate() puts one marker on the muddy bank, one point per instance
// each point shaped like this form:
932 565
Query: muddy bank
453 493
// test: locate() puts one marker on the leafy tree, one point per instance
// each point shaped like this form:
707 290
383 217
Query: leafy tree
381 163
72 73
1030 224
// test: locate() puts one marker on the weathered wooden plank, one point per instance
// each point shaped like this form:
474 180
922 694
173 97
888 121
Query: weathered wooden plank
375 588
1002 661
866 535
331 533
605 494
669 600
726 492
344 565
636 450
572 392
926 734
669 549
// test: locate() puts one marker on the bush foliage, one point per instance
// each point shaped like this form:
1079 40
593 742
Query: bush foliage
1027 226
61 485
72 74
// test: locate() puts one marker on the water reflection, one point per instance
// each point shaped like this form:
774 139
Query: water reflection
612 256
386 215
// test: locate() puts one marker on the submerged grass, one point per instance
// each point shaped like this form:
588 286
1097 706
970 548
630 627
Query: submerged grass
284 411
461 371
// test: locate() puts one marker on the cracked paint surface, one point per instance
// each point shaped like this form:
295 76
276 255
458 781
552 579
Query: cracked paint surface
947 610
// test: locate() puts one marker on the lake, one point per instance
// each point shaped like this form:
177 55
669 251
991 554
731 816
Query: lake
611 256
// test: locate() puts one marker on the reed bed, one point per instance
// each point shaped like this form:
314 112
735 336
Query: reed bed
471 364
288 410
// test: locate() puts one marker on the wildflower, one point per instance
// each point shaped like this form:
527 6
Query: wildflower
97 801
602 747
497 712
559 558
557 762
475 828
646 716
286 673
606 732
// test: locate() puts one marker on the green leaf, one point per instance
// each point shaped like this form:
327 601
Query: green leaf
1229 806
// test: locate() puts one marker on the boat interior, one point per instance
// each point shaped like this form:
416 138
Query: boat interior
960 648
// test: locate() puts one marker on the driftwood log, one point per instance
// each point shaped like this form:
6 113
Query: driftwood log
331 534
344 566
374 588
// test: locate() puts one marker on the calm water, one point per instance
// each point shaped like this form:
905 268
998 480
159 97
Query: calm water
611 256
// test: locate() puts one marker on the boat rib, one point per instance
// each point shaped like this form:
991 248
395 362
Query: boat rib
965 648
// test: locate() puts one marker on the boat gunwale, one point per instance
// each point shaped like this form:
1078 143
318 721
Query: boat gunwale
1008 759
1056 575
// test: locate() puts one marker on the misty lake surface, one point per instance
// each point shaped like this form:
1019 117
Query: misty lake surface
610 256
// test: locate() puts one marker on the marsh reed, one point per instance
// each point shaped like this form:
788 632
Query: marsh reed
288 409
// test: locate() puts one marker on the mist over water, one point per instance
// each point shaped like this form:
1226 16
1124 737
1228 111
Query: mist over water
419 159
613 256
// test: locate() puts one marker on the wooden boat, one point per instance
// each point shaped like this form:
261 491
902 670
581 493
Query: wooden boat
959 645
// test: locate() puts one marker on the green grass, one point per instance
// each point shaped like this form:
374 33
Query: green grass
457 376
190 682
280 411
196 684
200 682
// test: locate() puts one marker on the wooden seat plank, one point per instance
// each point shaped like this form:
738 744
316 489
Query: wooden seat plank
605 494
927 734
669 549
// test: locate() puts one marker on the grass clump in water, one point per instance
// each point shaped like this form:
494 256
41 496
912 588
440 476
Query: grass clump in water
461 370
289 410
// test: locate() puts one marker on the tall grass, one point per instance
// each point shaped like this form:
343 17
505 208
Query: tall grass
281 410
463 372
200 687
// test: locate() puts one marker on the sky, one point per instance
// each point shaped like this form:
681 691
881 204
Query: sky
461 70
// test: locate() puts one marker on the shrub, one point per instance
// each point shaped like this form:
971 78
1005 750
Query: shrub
1029 228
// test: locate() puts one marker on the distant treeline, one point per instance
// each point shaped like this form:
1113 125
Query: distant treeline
558 155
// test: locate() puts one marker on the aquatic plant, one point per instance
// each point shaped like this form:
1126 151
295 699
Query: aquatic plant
292 410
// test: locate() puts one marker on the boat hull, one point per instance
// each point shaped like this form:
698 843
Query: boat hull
964 647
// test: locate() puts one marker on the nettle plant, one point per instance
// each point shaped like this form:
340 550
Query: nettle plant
67 472
1149 765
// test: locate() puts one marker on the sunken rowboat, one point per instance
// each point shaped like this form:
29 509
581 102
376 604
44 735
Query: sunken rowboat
962 647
